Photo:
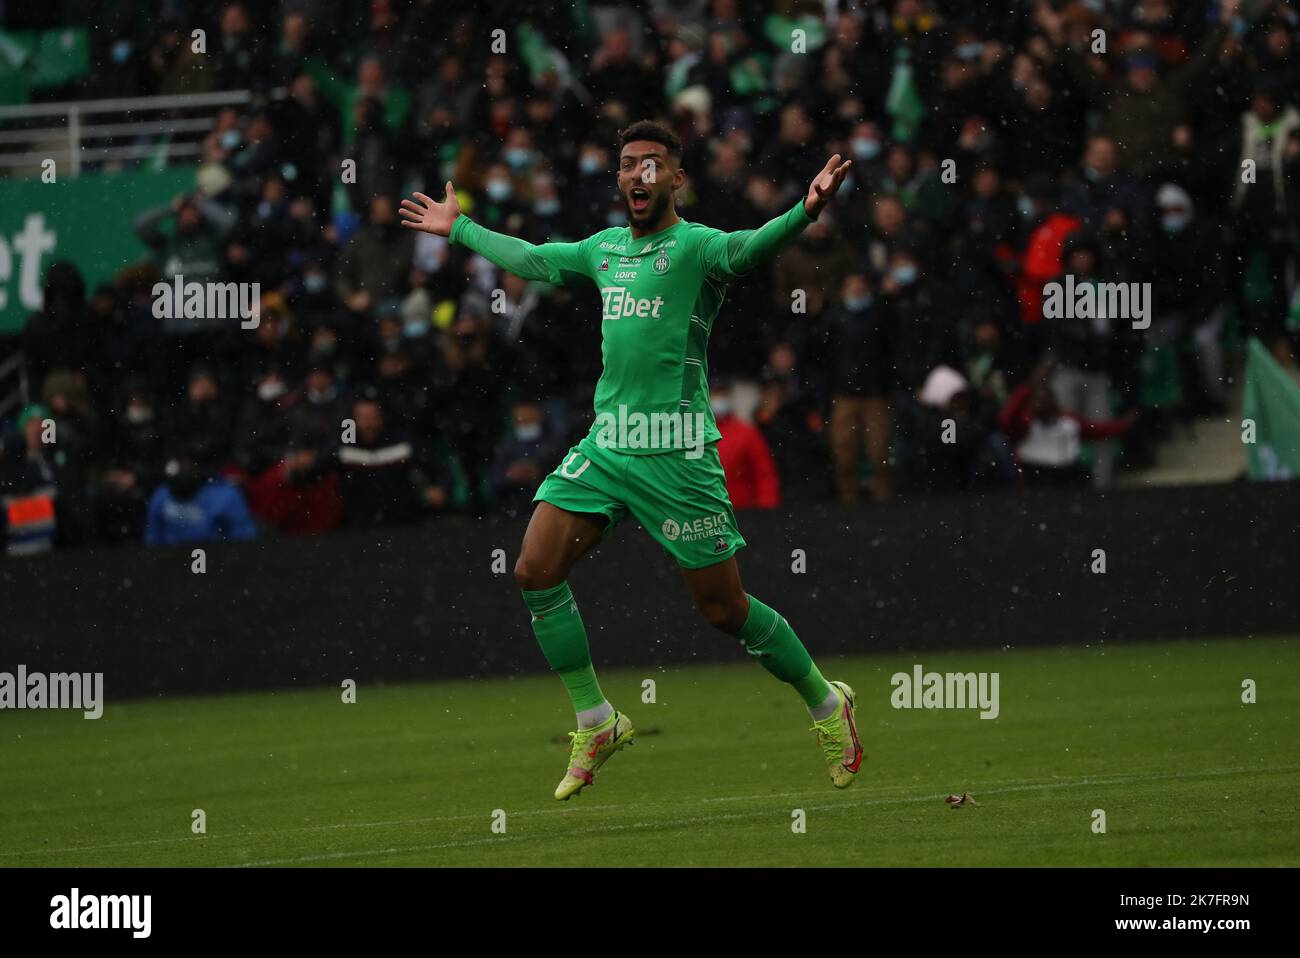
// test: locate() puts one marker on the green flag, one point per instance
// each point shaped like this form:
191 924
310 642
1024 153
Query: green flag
903 101
62 56
1272 404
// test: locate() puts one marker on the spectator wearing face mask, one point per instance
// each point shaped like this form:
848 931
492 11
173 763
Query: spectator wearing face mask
752 479
276 341
855 341
522 458
1186 293
501 199
263 425
319 407
546 220
315 299
592 187
866 147
192 505
132 466
1263 213
926 333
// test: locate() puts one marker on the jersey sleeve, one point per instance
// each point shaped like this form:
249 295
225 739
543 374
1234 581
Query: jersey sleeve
730 255
560 264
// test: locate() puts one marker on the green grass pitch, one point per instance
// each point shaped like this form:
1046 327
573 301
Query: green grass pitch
1155 735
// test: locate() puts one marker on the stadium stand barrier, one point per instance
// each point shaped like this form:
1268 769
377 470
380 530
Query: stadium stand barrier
425 602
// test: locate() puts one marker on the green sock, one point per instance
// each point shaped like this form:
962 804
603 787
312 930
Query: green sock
563 639
768 637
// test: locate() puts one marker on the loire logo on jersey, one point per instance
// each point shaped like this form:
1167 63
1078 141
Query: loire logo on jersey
617 302
692 530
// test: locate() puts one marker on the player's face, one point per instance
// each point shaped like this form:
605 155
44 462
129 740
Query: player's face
647 177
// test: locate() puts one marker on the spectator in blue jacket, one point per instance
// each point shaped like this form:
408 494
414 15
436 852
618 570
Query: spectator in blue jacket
191 506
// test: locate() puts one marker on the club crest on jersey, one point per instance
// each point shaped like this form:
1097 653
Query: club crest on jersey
662 262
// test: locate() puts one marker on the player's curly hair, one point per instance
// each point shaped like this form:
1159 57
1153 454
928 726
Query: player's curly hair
653 132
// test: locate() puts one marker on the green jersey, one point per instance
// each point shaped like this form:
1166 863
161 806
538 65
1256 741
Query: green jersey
659 296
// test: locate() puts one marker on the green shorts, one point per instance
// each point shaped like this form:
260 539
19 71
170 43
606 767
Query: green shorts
681 502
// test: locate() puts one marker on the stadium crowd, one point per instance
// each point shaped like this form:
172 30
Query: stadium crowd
900 346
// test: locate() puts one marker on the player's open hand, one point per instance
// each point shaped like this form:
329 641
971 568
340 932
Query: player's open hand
825 184
427 214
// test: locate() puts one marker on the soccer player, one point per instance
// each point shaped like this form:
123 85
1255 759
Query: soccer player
652 449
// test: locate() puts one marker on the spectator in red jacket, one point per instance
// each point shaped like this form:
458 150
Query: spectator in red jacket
752 480
1046 229
1048 440
299 494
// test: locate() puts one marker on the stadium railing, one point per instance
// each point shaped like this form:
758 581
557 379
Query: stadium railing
13 384
85 132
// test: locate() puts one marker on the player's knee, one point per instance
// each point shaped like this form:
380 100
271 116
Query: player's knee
531 575
726 613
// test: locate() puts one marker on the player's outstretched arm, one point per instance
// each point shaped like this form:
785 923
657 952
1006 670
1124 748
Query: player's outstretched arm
825 185
428 215
733 254
549 263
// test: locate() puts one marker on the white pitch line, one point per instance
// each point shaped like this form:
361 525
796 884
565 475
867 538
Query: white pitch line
707 819
987 788
424 821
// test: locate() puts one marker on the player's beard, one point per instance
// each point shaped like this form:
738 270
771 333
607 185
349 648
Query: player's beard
653 213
